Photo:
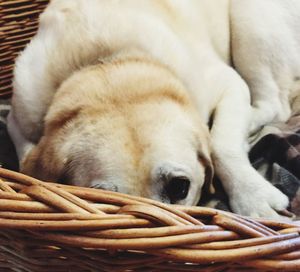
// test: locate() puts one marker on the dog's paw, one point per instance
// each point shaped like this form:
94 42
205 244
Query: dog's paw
259 201
262 114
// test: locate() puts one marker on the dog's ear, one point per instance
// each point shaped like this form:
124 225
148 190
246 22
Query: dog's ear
204 157
209 172
42 162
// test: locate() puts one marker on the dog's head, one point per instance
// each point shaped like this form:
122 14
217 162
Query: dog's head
126 126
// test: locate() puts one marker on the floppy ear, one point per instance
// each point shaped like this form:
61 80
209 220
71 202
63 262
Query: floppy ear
42 162
204 157
209 172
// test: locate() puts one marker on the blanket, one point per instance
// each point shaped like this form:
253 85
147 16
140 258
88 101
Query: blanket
275 153
8 157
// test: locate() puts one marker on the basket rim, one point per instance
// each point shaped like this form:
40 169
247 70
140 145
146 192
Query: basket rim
78 217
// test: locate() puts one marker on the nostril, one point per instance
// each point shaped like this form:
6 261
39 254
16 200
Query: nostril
177 189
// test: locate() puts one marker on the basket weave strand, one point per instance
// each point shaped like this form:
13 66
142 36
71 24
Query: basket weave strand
94 230
18 23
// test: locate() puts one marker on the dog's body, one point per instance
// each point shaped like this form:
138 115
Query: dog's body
122 91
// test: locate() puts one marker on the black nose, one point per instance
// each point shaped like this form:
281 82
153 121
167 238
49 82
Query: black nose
177 189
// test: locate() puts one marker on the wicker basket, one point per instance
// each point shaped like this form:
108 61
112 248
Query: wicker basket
51 227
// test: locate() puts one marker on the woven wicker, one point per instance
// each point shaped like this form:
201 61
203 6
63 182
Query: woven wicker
18 23
51 227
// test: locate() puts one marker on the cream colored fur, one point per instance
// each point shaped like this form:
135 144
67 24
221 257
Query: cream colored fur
120 92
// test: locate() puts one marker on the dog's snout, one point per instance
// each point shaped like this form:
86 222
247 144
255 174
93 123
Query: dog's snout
177 189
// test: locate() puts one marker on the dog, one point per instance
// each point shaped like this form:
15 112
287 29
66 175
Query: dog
152 97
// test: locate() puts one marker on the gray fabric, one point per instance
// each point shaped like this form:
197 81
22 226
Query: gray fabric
8 158
275 153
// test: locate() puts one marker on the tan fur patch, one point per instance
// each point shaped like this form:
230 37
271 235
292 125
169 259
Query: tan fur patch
166 8
60 120
42 162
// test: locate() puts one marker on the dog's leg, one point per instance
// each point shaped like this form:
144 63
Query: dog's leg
249 193
22 145
252 64
265 51
265 110
266 95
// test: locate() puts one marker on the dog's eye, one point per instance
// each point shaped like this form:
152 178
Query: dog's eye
177 189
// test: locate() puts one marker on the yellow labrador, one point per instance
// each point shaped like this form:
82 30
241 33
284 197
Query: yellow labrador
118 94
